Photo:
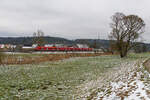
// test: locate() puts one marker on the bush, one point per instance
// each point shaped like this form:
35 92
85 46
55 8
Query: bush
2 56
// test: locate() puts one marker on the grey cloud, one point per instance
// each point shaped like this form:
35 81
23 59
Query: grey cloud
67 18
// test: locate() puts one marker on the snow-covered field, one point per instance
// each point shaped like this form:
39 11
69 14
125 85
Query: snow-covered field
89 78
53 80
129 83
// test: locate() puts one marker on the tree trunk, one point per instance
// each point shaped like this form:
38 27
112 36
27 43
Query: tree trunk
123 54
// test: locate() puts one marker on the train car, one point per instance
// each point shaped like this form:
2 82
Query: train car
52 49
41 48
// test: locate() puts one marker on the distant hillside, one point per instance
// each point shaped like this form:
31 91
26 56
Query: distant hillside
52 40
94 42
98 43
101 43
29 40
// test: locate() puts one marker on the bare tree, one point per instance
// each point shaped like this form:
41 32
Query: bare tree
126 30
38 38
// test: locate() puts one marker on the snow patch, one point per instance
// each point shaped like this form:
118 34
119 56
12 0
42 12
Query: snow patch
131 85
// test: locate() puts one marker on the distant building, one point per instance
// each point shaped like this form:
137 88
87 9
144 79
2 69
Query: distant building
82 45
13 46
63 45
49 45
7 46
27 47
2 46
34 45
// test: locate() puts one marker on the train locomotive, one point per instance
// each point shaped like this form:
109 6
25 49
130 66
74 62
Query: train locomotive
43 48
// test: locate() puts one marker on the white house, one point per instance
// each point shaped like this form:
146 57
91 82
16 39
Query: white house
82 45
2 46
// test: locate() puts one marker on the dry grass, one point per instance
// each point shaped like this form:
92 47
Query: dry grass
147 65
62 80
38 58
52 80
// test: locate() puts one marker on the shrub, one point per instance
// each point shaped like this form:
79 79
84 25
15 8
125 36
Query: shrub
2 56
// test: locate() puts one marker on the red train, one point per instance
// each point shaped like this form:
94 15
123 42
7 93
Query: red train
39 48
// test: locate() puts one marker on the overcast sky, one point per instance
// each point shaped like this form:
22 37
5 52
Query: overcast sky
67 18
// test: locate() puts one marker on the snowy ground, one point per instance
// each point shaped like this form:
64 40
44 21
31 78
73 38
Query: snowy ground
131 83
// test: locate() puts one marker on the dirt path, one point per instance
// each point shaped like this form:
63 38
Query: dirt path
130 81
89 89
132 84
